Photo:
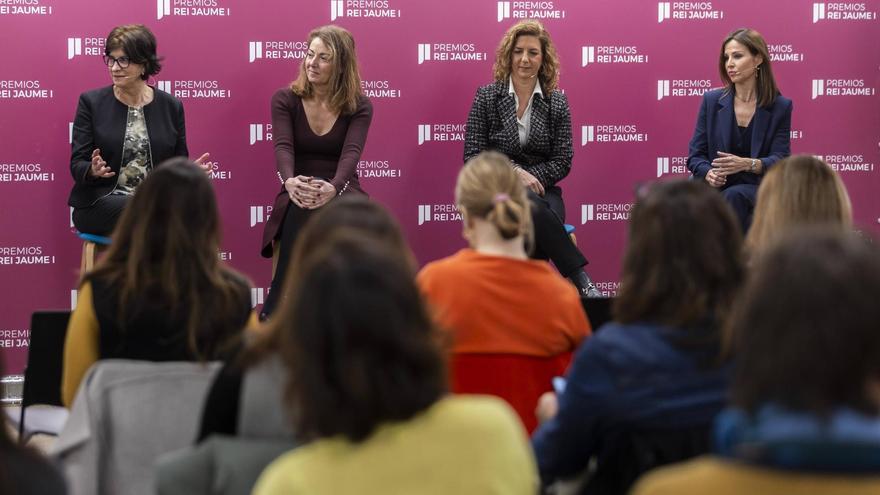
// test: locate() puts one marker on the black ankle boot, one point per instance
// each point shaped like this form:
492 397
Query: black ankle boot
584 285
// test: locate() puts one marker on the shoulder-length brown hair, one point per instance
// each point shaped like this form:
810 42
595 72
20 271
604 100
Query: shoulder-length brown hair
548 76
165 250
358 342
797 190
683 262
345 80
766 90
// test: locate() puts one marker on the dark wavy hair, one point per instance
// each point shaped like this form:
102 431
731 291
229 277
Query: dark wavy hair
165 250
683 262
358 342
805 331
139 44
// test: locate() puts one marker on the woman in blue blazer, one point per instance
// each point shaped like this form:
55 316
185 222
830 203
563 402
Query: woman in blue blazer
743 128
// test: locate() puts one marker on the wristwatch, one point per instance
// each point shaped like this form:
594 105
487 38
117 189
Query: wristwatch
752 166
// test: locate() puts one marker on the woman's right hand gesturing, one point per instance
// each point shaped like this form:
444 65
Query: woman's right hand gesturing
99 167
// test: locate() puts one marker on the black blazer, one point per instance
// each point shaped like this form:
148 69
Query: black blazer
491 125
100 123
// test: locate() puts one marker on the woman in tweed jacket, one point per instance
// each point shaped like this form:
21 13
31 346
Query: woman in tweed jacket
523 116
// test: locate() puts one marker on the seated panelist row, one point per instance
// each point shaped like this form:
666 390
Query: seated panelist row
321 121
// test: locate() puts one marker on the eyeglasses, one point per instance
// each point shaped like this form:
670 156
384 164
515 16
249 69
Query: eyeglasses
122 61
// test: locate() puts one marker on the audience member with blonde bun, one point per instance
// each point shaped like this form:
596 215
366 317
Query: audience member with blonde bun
490 295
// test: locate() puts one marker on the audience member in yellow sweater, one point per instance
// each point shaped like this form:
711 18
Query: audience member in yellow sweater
805 417
160 293
367 386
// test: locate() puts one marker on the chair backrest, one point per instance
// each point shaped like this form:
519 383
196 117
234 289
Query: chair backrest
598 310
127 414
220 465
519 380
630 453
42 376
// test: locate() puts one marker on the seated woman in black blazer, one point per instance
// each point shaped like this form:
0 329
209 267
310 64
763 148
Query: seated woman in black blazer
523 116
122 131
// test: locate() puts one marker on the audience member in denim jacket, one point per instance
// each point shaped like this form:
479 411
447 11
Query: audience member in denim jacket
805 411
657 365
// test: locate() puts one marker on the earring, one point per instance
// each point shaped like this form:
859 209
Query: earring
757 71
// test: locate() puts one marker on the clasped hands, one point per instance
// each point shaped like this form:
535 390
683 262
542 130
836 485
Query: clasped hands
309 193
101 170
726 164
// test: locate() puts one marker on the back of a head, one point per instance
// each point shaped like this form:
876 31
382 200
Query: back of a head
166 245
804 331
489 188
683 260
358 341
799 190
172 215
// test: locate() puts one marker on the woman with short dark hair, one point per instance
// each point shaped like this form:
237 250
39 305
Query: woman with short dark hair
656 367
805 399
367 388
122 132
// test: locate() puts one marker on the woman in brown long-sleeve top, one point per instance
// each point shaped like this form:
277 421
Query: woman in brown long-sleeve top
320 124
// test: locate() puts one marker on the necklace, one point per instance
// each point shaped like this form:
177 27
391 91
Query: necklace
745 100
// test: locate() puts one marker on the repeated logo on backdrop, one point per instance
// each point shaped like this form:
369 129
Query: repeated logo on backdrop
634 74
192 8
26 7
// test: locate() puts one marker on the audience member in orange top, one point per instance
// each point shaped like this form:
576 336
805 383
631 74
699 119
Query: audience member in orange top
491 296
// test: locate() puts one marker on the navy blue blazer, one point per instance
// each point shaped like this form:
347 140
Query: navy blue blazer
771 135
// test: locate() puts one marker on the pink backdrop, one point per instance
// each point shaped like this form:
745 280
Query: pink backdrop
633 70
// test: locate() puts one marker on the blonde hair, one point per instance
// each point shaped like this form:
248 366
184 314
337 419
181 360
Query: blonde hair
345 81
798 190
489 188
549 73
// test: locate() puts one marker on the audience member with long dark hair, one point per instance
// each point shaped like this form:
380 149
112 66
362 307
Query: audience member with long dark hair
224 410
161 292
656 365
367 389
805 403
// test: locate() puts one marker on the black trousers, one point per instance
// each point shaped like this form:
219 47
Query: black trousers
294 220
101 217
551 240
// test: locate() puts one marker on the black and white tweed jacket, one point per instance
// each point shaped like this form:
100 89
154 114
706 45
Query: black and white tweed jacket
491 125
